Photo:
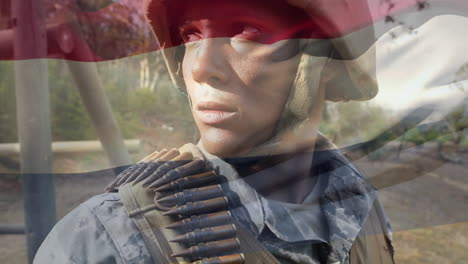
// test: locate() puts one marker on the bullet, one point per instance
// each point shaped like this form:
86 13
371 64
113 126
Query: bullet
206 234
142 165
175 162
184 156
150 168
159 172
170 154
151 165
209 249
161 160
189 182
199 207
201 221
229 259
153 156
192 195
122 176
133 173
111 186
178 172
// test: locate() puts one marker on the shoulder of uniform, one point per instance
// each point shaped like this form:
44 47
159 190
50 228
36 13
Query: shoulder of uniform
83 236
100 200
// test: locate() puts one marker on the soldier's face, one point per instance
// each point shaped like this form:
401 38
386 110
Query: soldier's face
238 87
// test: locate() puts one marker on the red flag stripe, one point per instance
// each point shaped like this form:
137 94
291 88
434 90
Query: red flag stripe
103 35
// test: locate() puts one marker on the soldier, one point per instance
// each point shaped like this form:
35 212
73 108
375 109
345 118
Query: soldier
262 185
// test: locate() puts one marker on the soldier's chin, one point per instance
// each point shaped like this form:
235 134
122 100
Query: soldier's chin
223 143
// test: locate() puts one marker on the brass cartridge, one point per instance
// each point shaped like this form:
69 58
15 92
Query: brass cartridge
192 195
176 173
175 162
209 249
189 182
200 207
202 221
206 234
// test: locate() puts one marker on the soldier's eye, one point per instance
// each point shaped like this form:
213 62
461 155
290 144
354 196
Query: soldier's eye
189 34
246 31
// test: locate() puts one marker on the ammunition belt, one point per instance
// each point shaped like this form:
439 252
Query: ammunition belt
190 193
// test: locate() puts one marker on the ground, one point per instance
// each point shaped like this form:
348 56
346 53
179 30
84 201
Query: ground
428 212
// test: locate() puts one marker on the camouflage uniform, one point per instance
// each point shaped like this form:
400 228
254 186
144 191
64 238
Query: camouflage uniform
320 230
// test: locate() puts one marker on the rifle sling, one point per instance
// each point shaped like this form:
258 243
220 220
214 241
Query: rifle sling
254 251
156 242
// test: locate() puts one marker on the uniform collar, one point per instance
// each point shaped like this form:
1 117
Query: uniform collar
334 212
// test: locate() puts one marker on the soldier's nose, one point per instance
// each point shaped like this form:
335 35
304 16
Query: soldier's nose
210 65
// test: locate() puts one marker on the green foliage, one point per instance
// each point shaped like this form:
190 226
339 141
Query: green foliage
380 154
117 31
7 103
93 5
459 119
353 122
137 108
451 129
134 108
414 136
68 115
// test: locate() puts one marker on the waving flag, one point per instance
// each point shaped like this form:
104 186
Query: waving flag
103 30
417 50
75 30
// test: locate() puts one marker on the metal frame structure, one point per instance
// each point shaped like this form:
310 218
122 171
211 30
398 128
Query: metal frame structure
34 130
34 126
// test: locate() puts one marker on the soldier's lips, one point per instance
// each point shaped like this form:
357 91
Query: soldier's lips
212 113
212 117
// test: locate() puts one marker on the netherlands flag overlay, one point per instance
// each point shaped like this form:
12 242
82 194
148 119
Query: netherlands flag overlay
87 89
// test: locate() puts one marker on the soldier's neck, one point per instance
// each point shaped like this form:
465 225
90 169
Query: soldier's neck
285 177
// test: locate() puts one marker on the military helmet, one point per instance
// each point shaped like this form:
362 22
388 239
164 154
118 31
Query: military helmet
347 73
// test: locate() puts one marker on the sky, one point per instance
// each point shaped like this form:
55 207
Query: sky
429 63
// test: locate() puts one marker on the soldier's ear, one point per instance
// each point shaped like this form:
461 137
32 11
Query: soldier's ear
190 102
178 58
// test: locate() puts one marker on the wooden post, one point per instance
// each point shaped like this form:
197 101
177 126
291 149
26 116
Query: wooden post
33 113
67 147
95 100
